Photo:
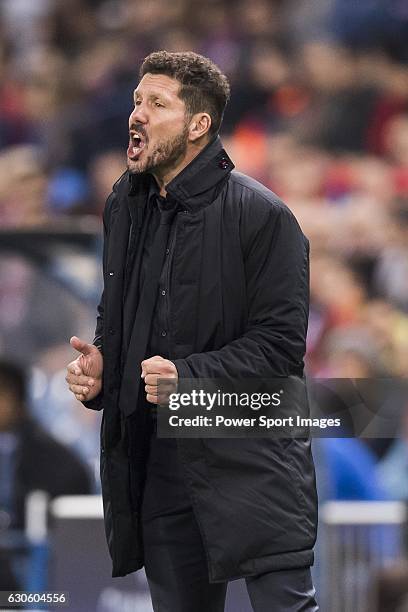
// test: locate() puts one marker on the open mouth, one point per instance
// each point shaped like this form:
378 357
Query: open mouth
137 143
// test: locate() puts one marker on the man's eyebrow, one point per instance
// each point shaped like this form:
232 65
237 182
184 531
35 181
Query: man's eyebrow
152 96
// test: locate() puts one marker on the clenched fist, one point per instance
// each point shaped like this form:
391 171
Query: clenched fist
84 374
153 369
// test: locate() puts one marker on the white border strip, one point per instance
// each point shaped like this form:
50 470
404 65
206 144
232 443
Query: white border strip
331 513
77 507
363 513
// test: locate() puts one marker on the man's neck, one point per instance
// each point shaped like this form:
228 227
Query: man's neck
168 174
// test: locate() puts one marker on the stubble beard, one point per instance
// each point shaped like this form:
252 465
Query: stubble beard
166 155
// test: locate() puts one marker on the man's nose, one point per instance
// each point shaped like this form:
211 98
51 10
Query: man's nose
138 115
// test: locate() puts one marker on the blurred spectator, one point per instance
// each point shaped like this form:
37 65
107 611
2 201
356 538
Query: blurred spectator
23 185
392 268
392 470
104 171
37 315
341 103
29 458
391 588
396 140
351 470
372 23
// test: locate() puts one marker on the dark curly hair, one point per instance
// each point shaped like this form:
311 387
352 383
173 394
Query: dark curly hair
203 86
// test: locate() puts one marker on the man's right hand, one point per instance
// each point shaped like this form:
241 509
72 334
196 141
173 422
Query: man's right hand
84 374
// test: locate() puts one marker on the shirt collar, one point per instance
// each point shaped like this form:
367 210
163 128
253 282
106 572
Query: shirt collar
155 199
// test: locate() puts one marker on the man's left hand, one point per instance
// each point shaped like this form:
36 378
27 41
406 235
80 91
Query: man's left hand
156 368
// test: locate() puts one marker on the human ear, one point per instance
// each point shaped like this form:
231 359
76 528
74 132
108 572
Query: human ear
199 126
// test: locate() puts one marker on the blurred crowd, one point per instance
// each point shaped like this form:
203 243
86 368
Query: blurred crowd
319 113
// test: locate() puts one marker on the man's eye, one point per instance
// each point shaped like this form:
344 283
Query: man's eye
158 105
138 102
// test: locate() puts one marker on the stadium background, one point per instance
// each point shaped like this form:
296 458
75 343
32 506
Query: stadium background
319 113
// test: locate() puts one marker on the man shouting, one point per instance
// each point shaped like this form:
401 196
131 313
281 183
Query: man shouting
205 276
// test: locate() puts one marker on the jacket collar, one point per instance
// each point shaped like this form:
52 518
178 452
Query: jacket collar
198 183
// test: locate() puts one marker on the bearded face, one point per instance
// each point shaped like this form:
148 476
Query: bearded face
158 130
145 155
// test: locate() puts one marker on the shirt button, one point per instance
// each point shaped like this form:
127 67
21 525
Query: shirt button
111 273
163 292
164 333
167 251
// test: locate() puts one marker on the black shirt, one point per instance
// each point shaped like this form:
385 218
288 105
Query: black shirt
160 332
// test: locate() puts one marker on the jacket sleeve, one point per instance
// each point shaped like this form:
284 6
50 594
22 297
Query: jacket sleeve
276 256
99 330
96 403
